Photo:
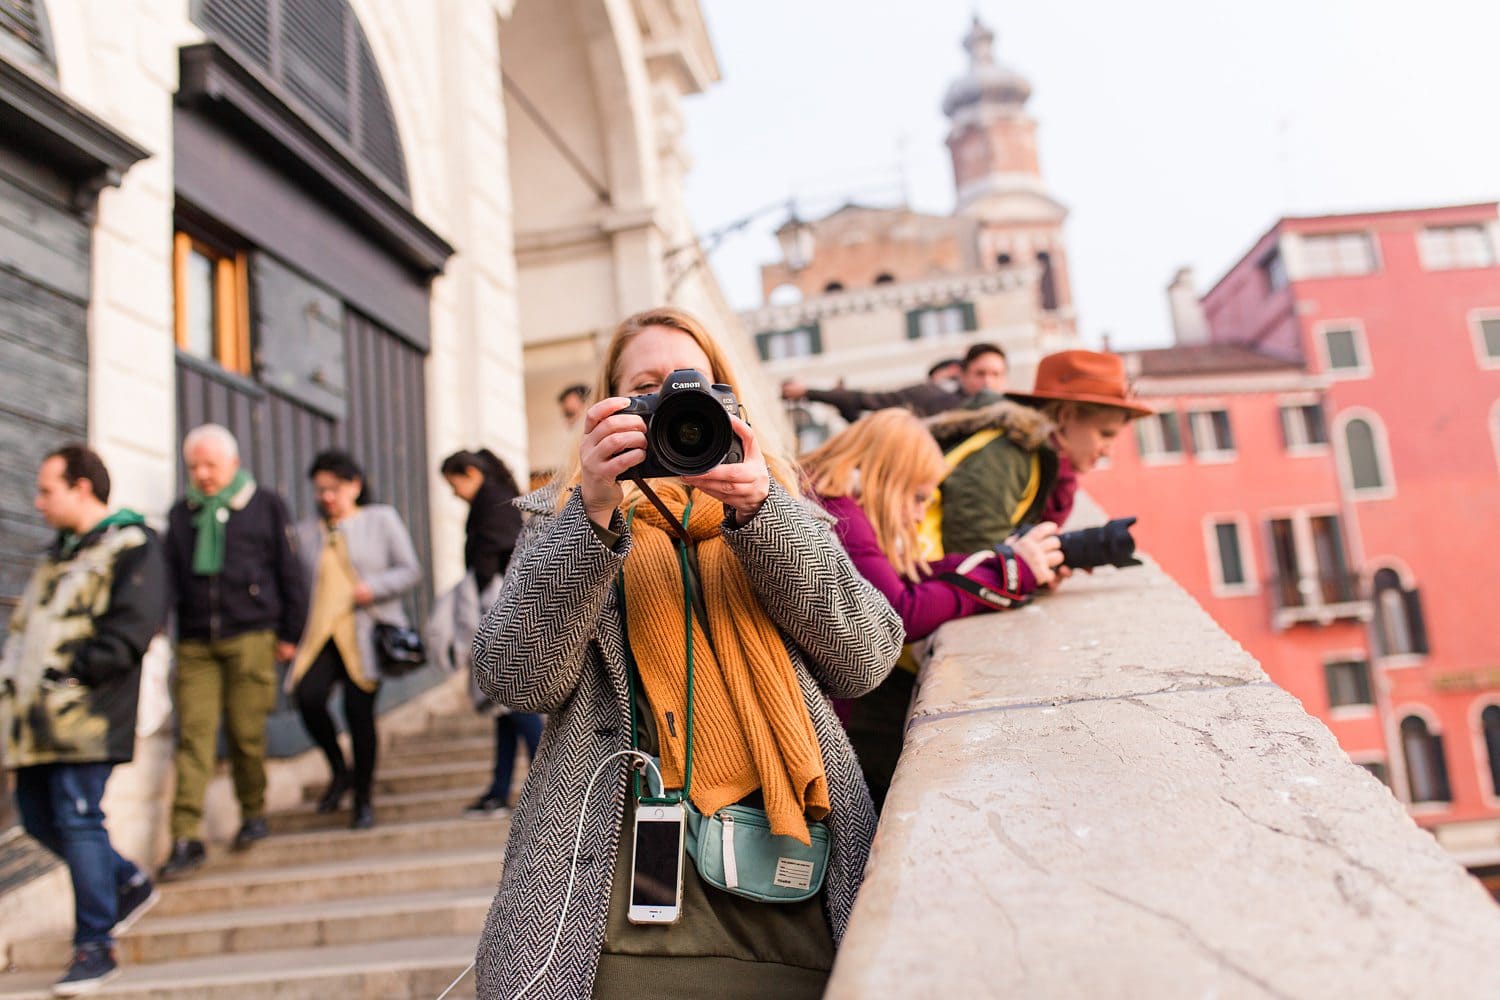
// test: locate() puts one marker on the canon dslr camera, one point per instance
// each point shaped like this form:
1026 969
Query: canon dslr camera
1104 545
687 427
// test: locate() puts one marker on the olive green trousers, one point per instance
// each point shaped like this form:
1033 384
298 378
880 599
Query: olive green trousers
233 679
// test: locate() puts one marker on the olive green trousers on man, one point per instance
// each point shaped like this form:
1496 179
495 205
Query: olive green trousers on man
234 679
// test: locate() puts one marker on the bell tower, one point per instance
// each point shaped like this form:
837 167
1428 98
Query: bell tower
997 173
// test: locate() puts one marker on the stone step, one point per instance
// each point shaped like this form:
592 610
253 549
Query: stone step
475 868
394 779
447 727
439 751
315 846
306 925
418 967
445 803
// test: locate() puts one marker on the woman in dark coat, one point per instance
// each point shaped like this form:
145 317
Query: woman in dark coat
484 482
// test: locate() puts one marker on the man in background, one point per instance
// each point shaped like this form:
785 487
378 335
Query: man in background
69 681
983 369
571 403
241 603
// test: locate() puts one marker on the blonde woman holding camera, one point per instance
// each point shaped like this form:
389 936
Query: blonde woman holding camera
717 654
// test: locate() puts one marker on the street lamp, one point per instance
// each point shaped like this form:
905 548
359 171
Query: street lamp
796 239
794 236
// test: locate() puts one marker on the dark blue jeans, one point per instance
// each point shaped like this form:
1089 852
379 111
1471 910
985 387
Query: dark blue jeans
59 806
526 725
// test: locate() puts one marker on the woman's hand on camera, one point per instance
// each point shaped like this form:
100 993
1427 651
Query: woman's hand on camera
1041 551
612 442
742 486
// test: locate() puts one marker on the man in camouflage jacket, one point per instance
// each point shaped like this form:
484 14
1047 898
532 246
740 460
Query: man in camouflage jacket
69 682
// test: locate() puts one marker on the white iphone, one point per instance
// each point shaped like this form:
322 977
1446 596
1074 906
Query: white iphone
656 868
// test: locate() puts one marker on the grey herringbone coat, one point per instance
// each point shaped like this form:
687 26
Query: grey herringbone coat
554 644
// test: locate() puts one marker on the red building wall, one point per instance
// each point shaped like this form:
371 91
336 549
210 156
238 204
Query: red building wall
1177 502
1434 402
1440 525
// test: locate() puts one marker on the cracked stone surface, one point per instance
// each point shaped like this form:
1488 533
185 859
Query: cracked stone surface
1144 817
1076 645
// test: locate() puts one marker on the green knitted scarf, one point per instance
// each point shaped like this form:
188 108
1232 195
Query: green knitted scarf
211 523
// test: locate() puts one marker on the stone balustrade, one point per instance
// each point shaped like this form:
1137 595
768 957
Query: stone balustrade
1102 795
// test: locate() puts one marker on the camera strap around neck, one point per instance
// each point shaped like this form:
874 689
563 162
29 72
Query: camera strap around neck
637 686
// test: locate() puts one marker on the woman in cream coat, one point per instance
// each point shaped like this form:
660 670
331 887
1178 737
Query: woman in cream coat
359 561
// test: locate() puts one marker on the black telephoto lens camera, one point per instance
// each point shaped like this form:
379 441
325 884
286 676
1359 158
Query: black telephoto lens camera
687 427
1106 545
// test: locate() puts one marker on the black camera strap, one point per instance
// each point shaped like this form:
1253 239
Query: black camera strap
680 530
1000 600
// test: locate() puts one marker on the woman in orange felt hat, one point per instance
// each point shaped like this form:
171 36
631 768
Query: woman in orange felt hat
1015 460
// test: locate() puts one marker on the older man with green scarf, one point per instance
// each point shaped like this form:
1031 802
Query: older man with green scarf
241 603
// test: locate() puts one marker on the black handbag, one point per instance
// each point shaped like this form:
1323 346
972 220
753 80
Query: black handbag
399 649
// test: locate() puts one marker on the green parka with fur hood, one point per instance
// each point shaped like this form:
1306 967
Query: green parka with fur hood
982 497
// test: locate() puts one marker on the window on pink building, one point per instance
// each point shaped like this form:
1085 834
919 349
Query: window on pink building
1426 768
1348 683
1489 338
1159 436
1489 719
1211 434
1365 458
1344 349
1399 627
1448 247
1303 426
1273 267
1330 255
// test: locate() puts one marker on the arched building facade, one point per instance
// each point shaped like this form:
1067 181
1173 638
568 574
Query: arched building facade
321 222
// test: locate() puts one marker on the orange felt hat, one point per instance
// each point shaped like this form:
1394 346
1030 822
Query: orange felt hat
1083 377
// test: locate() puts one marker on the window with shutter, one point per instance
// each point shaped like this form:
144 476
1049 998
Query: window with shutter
317 52
1426 768
299 337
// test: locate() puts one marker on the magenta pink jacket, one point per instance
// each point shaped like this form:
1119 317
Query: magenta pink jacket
922 606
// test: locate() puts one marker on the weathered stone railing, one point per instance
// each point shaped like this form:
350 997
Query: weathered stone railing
1102 795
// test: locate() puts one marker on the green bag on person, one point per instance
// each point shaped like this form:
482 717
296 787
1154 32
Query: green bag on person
735 850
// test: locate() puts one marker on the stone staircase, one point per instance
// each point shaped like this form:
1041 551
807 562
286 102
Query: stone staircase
320 911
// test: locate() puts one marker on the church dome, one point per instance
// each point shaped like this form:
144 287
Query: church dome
986 82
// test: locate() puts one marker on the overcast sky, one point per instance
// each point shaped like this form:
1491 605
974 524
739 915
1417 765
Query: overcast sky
1177 131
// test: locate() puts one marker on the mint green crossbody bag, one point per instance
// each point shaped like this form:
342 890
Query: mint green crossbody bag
734 850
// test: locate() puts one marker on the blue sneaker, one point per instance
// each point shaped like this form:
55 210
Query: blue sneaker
133 899
93 966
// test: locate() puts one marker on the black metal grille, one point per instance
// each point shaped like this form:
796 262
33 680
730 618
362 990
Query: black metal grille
317 51
25 20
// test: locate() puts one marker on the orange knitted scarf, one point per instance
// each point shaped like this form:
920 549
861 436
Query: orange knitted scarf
751 729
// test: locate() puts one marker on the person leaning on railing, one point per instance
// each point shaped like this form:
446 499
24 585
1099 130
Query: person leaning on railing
783 620
876 478
1015 461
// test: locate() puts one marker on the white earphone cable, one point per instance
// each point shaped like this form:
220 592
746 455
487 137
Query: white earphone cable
573 869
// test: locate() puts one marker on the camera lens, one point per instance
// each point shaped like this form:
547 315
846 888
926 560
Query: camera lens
687 435
690 433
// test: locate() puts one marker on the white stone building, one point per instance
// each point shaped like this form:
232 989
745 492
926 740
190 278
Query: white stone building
398 226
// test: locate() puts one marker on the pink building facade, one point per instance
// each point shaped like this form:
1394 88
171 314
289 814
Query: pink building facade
1324 475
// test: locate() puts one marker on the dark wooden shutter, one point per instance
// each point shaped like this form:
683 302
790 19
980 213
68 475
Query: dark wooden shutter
44 282
26 22
316 50
299 337
1416 623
